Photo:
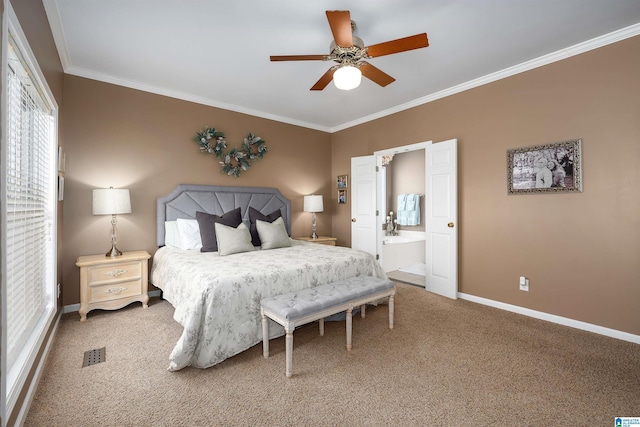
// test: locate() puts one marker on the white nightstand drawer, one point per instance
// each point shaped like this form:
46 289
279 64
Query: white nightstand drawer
123 271
114 291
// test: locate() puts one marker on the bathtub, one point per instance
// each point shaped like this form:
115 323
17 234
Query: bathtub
399 240
404 250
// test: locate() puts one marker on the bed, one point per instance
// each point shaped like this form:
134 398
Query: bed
217 297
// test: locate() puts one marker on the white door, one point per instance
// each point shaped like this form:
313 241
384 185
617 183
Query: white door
441 207
363 203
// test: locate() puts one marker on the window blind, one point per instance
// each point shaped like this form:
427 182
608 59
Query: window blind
30 194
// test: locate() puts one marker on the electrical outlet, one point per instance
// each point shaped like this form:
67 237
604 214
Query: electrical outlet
58 290
524 284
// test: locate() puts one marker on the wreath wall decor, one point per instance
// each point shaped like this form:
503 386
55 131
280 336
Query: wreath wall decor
236 159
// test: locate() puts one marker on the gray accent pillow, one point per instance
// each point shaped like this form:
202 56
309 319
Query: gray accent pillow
256 215
233 240
207 221
273 234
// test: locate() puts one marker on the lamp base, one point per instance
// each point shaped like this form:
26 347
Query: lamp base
313 226
113 252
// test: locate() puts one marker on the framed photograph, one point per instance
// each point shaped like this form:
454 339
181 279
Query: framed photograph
550 168
60 188
62 158
342 181
342 196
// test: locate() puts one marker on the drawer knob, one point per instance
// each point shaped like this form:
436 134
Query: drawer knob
115 273
115 291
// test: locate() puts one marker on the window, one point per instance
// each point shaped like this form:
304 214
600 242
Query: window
28 214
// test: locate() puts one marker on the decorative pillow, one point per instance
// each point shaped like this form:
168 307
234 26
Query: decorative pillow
255 215
171 234
189 234
233 240
273 234
207 227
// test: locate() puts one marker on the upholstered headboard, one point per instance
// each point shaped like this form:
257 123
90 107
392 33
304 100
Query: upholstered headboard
187 199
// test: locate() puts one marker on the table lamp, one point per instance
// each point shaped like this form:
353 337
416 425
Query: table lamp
313 204
112 201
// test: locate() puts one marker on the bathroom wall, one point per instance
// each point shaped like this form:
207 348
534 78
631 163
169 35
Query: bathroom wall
405 175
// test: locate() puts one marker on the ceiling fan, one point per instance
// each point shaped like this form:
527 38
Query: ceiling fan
349 52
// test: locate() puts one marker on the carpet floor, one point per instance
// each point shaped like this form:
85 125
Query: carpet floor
445 363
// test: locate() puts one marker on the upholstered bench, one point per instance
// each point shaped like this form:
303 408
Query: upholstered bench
311 304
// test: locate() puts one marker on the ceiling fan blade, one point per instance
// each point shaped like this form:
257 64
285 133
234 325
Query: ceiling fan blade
324 80
400 45
375 74
340 23
298 58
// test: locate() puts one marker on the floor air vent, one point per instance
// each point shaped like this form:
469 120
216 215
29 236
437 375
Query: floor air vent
93 357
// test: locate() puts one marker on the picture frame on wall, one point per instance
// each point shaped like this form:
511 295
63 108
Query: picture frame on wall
548 168
62 160
342 181
60 188
342 196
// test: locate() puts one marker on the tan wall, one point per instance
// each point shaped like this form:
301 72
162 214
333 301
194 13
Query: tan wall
35 25
115 136
580 251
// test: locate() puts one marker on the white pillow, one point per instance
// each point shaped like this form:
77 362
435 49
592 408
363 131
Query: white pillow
273 234
171 234
233 240
189 234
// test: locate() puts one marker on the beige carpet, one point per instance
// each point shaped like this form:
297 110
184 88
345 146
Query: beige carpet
445 363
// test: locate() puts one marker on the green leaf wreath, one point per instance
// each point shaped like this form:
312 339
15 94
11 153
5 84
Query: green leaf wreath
235 160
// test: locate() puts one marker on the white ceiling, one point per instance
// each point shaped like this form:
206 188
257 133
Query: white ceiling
216 52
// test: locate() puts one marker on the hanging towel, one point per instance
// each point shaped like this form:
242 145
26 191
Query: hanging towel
413 209
402 209
402 202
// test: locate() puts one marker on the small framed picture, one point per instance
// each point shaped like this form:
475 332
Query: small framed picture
60 188
342 196
549 168
342 181
62 159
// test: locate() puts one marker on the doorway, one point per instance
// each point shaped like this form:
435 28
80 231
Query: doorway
440 211
401 240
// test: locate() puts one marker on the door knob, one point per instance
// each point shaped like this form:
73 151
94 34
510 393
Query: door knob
450 225
353 220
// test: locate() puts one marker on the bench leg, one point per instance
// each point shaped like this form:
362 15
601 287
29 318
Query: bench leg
391 310
349 326
362 308
321 323
265 336
289 354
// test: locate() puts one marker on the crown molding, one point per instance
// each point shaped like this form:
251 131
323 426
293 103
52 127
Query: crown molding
58 35
106 78
53 15
559 55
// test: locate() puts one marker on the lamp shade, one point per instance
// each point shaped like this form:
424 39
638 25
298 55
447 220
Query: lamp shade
313 203
111 201
347 77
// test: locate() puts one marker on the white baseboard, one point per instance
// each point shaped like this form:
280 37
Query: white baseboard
70 308
75 307
613 333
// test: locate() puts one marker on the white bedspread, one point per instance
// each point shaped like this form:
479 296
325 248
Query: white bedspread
217 298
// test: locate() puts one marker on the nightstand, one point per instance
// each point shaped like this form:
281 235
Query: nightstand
110 283
323 240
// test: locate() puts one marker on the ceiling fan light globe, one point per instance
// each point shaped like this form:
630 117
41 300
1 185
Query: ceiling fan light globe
347 77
